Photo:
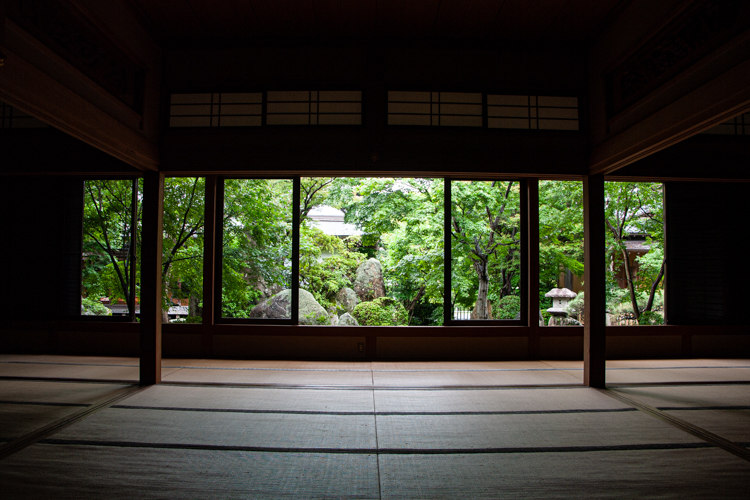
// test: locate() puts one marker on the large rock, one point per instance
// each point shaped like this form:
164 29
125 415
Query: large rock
347 319
347 299
369 284
280 307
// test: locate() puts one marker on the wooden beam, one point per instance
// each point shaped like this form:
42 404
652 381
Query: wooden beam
594 330
532 266
151 284
29 89
720 99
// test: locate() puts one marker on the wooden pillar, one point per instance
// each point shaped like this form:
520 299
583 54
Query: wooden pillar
209 267
151 253
532 265
594 330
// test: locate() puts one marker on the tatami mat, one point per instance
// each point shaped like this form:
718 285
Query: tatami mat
678 375
32 391
269 364
500 400
265 399
19 419
669 474
56 358
385 374
526 431
29 405
225 429
78 472
474 378
373 430
690 396
733 425
275 377
720 409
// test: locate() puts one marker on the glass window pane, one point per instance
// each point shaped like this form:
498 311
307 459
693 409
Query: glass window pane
635 253
560 253
371 251
485 247
106 284
257 248
182 247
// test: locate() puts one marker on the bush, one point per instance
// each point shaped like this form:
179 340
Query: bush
507 307
92 307
651 318
383 311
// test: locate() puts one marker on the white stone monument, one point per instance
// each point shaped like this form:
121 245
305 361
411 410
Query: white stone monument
560 298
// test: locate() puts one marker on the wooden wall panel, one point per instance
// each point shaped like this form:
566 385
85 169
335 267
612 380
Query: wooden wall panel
35 246
56 79
685 75
707 263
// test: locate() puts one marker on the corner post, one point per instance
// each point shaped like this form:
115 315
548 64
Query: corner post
595 329
151 285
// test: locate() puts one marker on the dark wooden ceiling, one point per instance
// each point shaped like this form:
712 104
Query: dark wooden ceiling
489 21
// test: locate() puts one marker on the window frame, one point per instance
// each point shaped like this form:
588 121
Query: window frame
447 312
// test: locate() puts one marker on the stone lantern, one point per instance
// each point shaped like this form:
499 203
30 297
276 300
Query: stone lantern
560 298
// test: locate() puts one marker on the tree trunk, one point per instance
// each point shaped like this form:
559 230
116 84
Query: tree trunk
631 285
193 309
413 303
654 286
481 309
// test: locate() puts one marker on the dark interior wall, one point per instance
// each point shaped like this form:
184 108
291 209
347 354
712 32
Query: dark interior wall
41 220
551 68
707 264
48 150
727 155
374 146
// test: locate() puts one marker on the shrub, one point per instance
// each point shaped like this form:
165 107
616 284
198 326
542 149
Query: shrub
92 307
507 307
383 311
651 318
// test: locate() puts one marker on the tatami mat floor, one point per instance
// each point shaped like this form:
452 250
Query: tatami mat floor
281 429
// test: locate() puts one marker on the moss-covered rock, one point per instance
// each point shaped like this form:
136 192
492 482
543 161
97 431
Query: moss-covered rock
383 311
280 306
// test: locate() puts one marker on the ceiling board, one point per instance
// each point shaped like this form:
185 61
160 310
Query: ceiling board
406 18
231 21
222 17
525 20
466 18
578 19
169 19
286 18
345 18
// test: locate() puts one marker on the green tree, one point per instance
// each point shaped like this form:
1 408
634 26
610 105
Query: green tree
257 243
182 259
636 208
560 233
407 216
485 233
107 237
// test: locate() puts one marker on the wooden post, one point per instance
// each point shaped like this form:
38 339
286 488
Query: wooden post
532 265
594 330
209 263
151 253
